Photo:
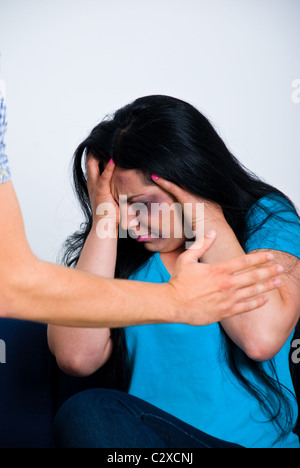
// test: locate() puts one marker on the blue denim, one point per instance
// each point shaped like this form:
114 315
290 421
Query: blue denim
103 418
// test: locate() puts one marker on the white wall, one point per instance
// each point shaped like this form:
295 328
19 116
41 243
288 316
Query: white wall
67 63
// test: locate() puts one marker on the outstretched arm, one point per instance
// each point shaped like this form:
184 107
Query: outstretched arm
197 294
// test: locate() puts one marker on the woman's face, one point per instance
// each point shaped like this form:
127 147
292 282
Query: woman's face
149 214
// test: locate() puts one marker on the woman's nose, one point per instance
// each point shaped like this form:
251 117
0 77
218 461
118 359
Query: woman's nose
128 219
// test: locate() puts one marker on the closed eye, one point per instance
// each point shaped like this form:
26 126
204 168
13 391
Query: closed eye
145 203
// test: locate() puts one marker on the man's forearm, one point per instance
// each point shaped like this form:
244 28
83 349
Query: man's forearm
197 294
34 290
57 295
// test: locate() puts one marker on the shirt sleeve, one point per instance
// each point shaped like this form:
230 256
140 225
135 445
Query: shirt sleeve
5 174
272 223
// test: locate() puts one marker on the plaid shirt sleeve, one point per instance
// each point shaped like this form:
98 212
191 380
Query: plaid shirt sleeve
5 174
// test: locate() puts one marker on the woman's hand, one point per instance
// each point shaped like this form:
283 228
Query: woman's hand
203 216
200 216
105 208
97 257
225 289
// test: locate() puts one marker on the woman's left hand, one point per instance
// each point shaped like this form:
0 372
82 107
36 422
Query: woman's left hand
200 215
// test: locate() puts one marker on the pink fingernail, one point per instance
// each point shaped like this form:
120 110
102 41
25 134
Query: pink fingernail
111 161
154 177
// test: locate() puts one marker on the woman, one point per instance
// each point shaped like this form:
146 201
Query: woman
41 292
38 291
230 380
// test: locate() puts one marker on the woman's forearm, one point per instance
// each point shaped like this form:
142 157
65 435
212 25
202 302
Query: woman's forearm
261 333
82 351
99 256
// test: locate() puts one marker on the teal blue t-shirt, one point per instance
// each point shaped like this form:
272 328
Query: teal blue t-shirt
181 369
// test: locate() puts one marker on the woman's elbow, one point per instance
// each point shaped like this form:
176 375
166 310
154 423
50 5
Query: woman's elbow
81 364
262 349
74 366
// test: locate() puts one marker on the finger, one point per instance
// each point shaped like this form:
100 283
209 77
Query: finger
108 171
175 190
256 276
252 292
200 246
92 169
247 261
105 180
248 306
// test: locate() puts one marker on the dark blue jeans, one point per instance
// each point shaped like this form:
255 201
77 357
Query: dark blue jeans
102 418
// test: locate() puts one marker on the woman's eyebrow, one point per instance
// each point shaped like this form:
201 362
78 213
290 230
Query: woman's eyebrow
129 199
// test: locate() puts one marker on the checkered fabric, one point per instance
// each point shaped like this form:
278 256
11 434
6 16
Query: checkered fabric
5 174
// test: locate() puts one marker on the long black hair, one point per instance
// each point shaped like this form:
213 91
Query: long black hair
169 137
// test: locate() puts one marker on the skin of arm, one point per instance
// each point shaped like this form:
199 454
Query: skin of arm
196 294
81 351
38 291
259 333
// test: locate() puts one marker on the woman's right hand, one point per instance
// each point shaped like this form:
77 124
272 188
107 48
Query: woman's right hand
105 208
99 258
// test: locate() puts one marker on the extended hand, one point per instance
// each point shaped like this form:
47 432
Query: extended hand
210 293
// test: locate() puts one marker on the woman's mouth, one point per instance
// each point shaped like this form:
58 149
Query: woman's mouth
143 238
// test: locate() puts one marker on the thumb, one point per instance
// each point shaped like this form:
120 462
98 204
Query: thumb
200 247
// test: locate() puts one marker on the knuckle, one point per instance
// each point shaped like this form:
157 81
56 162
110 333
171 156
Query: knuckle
105 176
256 290
255 276
247 260
253 304
253 291
226 284
225 309
218 270
259 288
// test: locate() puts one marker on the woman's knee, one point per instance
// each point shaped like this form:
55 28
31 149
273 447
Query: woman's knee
83 415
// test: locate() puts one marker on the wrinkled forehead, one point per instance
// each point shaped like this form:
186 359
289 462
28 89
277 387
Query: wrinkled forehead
129 182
